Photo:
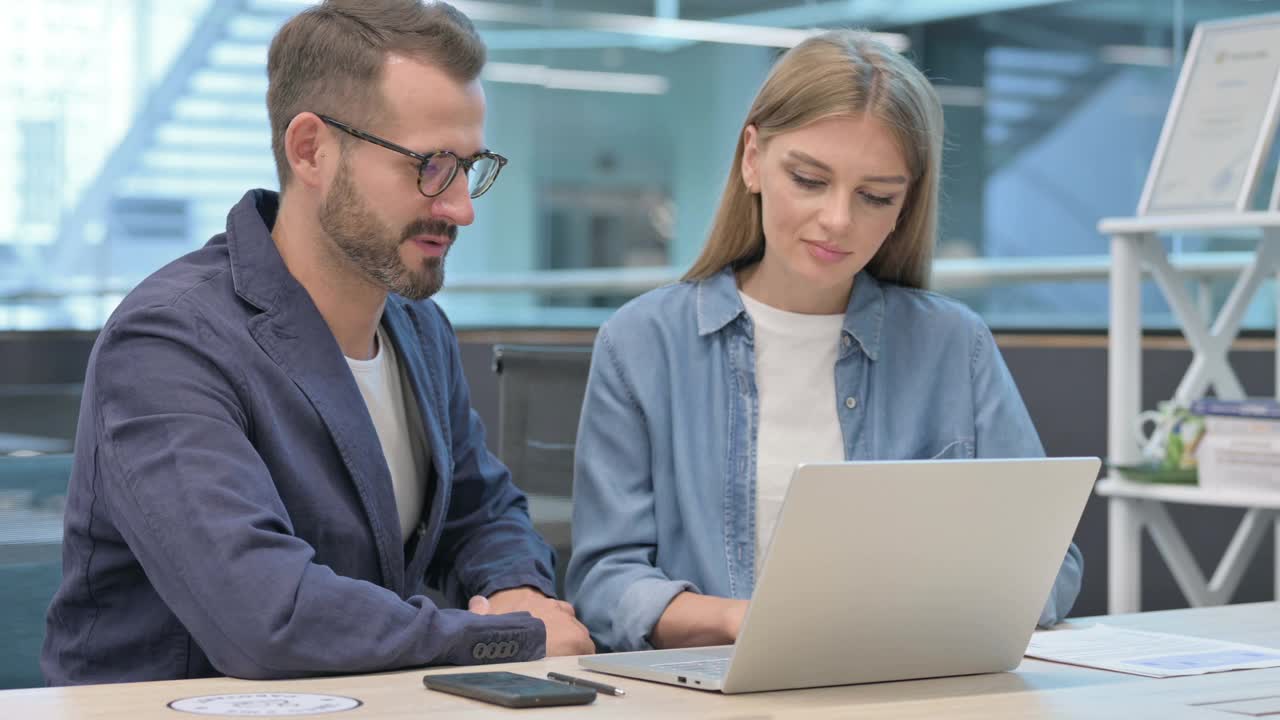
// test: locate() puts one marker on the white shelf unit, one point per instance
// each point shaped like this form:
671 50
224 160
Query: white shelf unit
1133 507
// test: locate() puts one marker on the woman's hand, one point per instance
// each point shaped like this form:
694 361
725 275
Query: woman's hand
693 620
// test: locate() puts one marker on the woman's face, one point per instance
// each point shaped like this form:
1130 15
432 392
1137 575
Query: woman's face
831 192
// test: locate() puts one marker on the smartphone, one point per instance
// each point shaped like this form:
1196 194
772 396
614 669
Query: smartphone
509 689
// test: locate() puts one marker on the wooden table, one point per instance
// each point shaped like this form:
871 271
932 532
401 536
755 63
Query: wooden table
1035 690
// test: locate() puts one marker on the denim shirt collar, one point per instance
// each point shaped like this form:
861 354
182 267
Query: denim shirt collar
719 305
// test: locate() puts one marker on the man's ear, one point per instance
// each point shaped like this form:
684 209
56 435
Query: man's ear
751 159
309 148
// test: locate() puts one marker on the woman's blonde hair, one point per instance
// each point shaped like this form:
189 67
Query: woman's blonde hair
842 72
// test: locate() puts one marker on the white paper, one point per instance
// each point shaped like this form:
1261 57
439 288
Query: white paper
1147 653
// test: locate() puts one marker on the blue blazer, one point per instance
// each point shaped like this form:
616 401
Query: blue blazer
230 510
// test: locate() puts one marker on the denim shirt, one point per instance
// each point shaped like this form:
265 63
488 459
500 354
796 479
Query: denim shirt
665 468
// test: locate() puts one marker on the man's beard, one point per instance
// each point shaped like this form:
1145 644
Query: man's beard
369 245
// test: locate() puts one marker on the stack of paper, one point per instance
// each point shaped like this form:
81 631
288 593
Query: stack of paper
1146 653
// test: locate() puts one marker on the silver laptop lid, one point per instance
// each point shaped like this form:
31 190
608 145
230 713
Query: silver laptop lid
895 570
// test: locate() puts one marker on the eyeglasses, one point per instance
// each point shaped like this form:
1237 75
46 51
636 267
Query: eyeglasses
436 170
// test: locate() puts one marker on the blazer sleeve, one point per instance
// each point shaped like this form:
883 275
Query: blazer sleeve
1003 429
488 542
612 581
198 508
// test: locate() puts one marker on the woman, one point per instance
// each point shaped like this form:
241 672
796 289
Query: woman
801 334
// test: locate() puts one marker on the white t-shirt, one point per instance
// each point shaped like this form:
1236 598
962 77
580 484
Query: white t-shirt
796 382
387 394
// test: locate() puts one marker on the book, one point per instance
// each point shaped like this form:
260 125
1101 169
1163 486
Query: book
1262 408
1241 426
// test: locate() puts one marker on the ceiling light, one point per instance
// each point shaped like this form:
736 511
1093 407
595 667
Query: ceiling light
590 80
1136 55
670 28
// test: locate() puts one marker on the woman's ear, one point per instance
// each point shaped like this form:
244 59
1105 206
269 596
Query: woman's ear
751 159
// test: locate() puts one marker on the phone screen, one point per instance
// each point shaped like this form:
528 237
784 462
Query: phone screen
510 689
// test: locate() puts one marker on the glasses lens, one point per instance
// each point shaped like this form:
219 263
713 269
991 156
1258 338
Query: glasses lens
483 172
436 173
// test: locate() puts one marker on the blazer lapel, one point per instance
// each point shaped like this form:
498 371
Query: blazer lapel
407 337
295 336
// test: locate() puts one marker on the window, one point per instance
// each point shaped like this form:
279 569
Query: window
620 139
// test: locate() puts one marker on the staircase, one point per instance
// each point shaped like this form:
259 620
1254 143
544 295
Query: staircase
1030 91
198 142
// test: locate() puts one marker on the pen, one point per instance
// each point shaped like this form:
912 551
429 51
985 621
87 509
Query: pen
582 682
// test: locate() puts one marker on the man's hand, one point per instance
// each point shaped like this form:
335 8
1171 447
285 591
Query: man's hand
565 635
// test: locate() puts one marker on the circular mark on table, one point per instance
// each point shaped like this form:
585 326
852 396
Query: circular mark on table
265 704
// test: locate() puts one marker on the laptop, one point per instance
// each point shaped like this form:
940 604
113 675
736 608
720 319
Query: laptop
892 571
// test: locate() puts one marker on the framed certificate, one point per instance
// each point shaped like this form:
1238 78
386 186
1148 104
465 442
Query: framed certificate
1221 121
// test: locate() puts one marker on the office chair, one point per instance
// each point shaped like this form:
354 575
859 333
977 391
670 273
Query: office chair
540 391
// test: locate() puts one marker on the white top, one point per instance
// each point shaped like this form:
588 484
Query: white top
387 395
796 380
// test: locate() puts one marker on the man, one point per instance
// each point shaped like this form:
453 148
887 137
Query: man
276 446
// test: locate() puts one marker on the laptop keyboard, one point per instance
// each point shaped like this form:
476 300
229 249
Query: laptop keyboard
714 667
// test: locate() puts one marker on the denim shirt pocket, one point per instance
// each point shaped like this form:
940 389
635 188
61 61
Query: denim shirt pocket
957 449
